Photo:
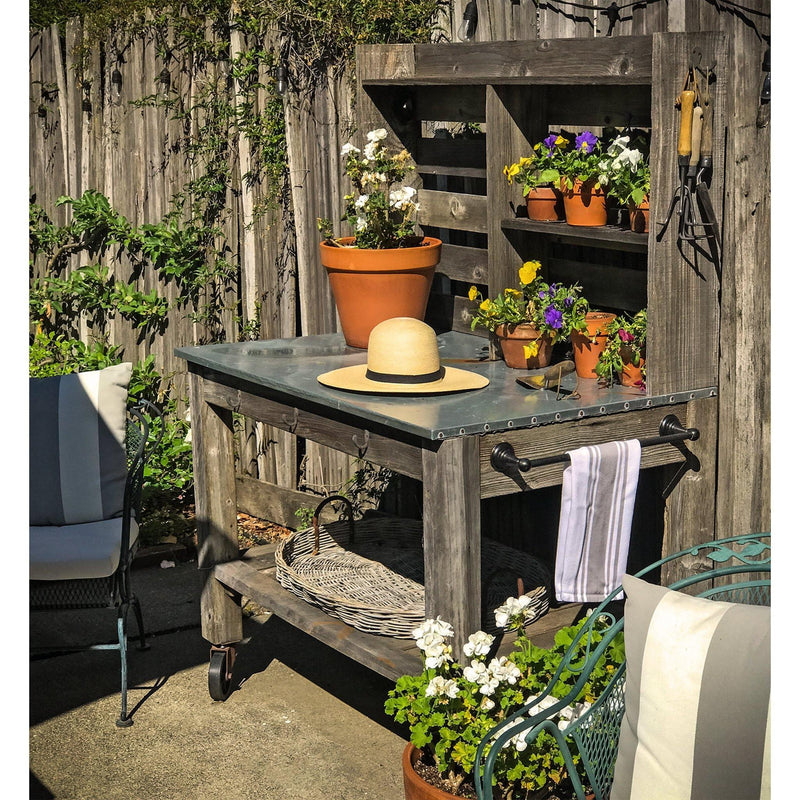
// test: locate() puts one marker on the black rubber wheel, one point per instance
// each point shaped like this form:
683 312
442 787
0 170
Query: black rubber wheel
219 684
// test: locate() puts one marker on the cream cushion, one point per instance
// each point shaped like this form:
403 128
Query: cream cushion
70 552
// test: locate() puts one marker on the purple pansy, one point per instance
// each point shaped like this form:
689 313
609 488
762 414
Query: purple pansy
585 142
553 290
542 294
550 143
568 301
553 317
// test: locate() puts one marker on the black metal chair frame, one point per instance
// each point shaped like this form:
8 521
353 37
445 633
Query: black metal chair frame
115 590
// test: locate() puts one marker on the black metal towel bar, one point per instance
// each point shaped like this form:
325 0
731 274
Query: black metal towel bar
670 430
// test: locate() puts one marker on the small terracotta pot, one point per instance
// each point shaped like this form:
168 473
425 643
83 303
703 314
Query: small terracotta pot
415 787
640 216
584 206
545 204
513 339
370 286
587 348
631 375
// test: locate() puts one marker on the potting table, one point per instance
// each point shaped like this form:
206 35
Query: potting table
445 441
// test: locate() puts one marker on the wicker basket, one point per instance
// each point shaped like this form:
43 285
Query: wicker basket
370 574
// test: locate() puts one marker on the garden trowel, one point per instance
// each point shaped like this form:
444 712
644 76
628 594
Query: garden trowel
549 378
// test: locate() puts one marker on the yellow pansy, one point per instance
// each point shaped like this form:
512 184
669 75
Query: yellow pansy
528 272
513 170
473 292
513 293
486 305
537 146
561 142
531 350
523 162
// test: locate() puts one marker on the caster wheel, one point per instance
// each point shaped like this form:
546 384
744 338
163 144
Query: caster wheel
220 670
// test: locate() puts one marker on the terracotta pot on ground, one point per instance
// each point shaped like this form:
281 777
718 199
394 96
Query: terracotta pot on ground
513 339
545 204
640 216
587 348
415 787
370 286
584 206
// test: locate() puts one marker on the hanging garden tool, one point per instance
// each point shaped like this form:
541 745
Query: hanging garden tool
706 160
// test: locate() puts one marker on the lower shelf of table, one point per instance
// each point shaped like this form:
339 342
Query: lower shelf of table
254 577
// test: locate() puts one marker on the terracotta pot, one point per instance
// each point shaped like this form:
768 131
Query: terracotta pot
370 286
415 787
513 339
584 206
545 204
587 348
640 216
631 375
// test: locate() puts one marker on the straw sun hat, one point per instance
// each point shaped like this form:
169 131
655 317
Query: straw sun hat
402 358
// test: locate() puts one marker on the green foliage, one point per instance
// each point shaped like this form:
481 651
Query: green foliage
450 708
626 342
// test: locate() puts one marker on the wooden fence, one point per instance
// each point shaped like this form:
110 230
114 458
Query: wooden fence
88 138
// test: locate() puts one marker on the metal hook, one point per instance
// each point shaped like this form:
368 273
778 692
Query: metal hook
362 447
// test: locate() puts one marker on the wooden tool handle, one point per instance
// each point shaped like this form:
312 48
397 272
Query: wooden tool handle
707 139
697 129
686 100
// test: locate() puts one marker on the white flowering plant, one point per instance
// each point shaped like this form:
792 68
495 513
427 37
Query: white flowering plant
630 171
453 704
380 210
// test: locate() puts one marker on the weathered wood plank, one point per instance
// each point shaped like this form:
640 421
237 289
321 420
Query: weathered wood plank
461 212
550 440
587 106
611 236
386 656
468 264
329 431
450 312
451 516
686 354
275 503
215 505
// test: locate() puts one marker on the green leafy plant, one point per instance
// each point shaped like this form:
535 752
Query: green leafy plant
585 161
450 707
630 171
626 343
541 167
553 309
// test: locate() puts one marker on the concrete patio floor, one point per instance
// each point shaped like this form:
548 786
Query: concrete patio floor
304 722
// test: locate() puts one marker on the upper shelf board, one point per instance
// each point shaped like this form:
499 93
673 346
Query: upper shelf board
618 60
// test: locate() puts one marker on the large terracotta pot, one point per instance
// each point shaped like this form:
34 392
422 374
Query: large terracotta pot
513 339
587 347
640 216
370 286
584 206
415 787
545 204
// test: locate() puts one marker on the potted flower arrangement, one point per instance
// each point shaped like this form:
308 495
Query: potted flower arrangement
538 174
624 354
630 181
529 320
451 706
585 171
384 270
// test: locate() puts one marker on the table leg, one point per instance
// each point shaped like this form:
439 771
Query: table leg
451 532
215 508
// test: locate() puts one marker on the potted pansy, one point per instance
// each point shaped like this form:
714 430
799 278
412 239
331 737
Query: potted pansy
630 181
623 356
539 175
585 171
530 319
384 269
458 698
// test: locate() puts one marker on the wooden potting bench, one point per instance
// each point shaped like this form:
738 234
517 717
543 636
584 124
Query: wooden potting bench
516 91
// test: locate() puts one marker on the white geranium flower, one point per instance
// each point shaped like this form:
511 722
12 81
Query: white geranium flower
504 670
361 223
349 148
437 626
478 644
519 741
513 608
487 704
362 201
542 705
377 135
438 656
478 673
370 150
439 686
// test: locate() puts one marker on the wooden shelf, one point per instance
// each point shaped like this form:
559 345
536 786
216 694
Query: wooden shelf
610 236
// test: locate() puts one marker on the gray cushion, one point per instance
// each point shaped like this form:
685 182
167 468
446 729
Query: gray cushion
697 698
69 552
77 446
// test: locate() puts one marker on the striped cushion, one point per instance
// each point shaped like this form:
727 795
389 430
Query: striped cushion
77 446
697 698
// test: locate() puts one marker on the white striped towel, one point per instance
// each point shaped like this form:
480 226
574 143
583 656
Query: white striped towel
595 526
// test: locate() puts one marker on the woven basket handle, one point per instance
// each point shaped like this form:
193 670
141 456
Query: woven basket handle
315 519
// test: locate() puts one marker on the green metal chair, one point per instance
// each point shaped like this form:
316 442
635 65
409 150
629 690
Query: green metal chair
740 575
87 565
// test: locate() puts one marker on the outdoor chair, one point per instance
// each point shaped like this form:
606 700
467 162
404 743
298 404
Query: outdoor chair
87 457
696 676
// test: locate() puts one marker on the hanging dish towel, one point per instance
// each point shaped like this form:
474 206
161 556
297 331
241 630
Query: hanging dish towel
595 525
